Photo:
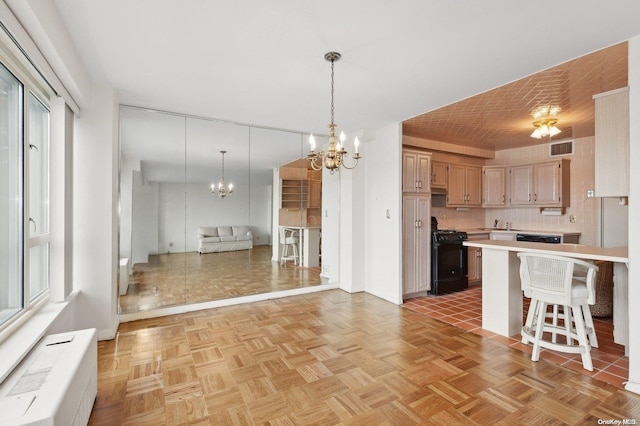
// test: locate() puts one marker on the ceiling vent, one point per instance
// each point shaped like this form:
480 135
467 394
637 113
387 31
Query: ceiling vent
560 148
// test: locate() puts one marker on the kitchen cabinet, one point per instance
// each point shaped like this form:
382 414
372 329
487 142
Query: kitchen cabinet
294 193
438 175
464 187
474 263
416 244
315 194
416 172
612 143
494 186
521 185
544 184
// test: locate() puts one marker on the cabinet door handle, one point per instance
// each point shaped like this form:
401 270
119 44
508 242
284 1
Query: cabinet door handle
503 198
419 224
529 197
535 197
419 184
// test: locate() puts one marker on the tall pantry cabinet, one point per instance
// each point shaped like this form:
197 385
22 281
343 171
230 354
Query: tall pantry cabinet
416 222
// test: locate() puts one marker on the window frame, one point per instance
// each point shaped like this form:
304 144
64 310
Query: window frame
31 91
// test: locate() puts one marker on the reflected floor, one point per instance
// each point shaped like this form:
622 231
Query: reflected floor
186 278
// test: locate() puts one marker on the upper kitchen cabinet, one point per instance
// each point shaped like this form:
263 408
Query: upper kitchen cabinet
464 188
612 143
494 185
521 185
416 172
438 175
544 184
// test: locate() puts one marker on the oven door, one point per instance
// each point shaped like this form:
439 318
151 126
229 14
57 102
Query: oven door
449 261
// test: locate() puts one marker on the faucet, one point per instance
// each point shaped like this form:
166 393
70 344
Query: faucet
495 223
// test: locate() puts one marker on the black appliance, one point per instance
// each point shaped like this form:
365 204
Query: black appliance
549 239
448 260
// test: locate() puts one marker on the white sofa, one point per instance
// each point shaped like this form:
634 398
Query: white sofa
213 239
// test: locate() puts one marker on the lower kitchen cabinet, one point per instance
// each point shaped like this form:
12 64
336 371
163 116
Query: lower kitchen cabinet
416 244
474 264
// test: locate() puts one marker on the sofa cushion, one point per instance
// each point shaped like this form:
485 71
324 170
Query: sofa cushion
240 230
228 238
208 231
210 240
224 231
243 237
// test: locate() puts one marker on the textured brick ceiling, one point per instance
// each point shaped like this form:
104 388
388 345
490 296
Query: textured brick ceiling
502 118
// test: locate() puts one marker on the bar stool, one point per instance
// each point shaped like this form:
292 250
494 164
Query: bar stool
549 281
289 238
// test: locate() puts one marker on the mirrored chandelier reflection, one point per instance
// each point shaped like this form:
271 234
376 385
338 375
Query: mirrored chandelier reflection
222 190
332 158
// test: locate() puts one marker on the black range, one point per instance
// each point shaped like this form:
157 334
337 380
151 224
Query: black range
448 260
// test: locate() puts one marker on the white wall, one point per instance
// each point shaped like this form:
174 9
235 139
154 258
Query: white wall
352 227
95 213
126 204
331 226
634 225
144 219
383 193
260 214
183 208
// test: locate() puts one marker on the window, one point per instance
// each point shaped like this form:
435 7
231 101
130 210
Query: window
24 196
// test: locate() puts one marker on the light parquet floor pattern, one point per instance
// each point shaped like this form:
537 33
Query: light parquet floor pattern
334 358
464 309
187 278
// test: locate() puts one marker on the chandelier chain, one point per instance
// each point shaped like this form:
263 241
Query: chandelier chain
332 61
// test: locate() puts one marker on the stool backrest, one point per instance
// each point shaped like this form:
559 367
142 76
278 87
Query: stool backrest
549 277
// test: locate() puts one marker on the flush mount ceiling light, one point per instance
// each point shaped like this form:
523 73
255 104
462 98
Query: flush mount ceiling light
332 158
545 121
545 127
222 191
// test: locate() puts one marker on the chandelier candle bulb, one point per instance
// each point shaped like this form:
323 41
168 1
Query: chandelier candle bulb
312 142
356 144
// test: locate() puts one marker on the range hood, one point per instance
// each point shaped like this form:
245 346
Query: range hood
439 191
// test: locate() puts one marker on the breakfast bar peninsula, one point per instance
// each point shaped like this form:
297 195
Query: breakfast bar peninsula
502 293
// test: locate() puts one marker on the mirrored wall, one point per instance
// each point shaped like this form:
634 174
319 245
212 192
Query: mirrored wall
173 225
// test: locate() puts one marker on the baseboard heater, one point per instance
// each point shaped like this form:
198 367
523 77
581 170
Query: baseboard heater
56 384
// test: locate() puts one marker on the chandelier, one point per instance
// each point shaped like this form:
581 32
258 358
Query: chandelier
222 190
332 158
545 122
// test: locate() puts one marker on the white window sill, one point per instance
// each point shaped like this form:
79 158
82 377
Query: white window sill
22 340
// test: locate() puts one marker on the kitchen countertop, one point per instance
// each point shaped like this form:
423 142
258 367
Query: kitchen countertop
613 254
473 231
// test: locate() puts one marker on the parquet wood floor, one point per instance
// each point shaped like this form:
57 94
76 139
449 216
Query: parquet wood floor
464 309
185 278
334 358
